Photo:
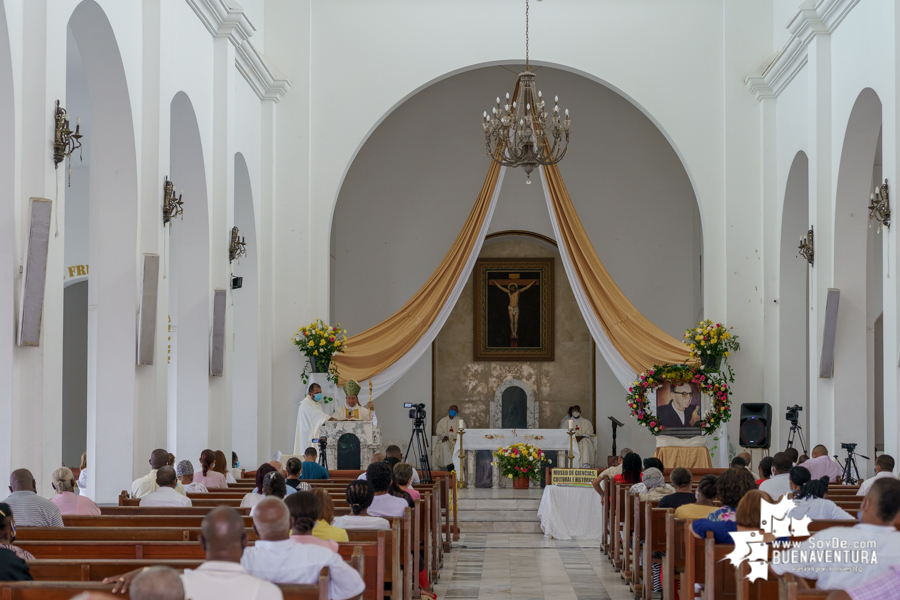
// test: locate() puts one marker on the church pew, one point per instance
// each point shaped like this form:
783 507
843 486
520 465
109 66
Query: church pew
696 473
616 525
627 524
637 534
138 519
655 541
162 510
792 591
761 589
674 560
694 562
146 534
719 572
64 590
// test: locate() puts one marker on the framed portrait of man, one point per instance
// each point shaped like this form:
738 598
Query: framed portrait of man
513 309
679 408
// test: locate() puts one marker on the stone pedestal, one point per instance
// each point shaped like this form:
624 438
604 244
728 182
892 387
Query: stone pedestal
369 436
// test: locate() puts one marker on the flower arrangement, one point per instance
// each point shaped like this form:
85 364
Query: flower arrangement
711 384
320 342
493 436
536 438
520 460
712 343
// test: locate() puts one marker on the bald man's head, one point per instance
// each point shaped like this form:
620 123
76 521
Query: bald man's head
21 480
159 458
222 535
748 459
166 477
819 450
377 457
276 464
272 520
157 583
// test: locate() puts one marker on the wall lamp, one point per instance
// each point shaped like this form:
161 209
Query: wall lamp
807 246
65 141
238 246
172 206
880 206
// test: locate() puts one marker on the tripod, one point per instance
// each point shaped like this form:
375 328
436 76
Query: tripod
850 469
323 458
420 440
797 431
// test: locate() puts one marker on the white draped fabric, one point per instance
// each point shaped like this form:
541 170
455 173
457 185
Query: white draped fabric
385 379
571 513
620 367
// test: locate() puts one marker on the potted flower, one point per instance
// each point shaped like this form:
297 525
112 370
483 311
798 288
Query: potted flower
711 343
319 342
521 463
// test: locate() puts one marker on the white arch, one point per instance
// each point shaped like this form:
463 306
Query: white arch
112 293
189 288
7 234
245 437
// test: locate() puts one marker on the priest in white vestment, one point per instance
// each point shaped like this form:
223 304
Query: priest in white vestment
583 431
352 411
446 432
310 417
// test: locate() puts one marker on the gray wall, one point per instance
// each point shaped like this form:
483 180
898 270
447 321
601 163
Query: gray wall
74 389
414 181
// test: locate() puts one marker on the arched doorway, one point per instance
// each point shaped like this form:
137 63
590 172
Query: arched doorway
860 305
112 291
245 380
793 303
189 288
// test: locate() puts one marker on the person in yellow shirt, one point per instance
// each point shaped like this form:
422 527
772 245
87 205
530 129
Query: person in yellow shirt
324 530
706 493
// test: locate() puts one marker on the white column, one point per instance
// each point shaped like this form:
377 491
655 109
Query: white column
264 246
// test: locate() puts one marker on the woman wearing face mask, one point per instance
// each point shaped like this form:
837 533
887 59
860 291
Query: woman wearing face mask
12 558
310 417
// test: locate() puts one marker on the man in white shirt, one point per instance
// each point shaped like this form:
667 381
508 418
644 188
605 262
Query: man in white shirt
600 482
221 576
165 494
157 583
884 467
395 451
780 483
383 504
875 535
146 484
277 558
821 465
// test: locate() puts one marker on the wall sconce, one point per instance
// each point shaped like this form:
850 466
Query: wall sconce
880 206
65 141
237 248
172 206
807 246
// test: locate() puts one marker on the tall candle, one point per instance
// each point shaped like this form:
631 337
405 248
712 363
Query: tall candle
462 424
571 424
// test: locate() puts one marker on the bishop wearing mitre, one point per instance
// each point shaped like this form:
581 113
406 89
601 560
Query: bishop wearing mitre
583 431
446 431
351 410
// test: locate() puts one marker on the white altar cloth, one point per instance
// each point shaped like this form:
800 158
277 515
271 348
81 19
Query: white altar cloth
571 513
491 439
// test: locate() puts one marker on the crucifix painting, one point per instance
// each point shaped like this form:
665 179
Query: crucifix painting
514 309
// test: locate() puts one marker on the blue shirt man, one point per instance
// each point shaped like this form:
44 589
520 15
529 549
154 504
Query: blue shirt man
311 469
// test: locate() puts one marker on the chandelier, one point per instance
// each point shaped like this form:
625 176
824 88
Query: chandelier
522 134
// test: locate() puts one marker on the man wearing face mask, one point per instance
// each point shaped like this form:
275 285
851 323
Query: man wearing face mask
446 431
583 430
309 417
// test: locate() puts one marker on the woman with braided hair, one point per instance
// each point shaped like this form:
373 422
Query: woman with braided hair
359 496
209 477
809 497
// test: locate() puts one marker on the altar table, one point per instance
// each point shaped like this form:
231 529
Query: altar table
491 439
571 513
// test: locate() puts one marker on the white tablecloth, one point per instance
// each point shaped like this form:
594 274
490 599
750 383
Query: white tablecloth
491 439
571 513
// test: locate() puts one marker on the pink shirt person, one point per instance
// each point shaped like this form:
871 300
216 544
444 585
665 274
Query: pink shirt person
211 479
823 466
70 504
311 539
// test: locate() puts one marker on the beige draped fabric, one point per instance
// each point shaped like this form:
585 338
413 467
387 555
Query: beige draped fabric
376 349
640 343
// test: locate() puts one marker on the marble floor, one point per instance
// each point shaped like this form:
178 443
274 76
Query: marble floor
500 566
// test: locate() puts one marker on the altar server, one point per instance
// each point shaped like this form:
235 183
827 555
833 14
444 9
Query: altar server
352 411
583 431
446 431
310 417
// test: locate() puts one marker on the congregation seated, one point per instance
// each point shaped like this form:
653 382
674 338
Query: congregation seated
221 575
63 481
381 476
802 459
376 458
876 530
293 467
12 558
682 494
599 483
403 473
274 486
324 530
631 469
884 467
738 462
360 494
310 468
256 496
809 497
793 454
731 486
32 510
221 466
208 477
305 509
235 465
145 485
821 465
653 486
882 586
277 558
747 518
703 506
165 494
184 470
157 583
394 451
764 469
779 484
82 473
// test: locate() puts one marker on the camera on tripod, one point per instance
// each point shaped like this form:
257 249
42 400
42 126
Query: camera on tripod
793 413
849 447
416 411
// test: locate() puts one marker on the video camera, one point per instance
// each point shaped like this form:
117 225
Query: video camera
849 447
793 414
416 411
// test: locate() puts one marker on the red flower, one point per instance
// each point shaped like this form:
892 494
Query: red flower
332 339
304 334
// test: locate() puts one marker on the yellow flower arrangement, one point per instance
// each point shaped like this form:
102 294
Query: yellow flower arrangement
319 343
